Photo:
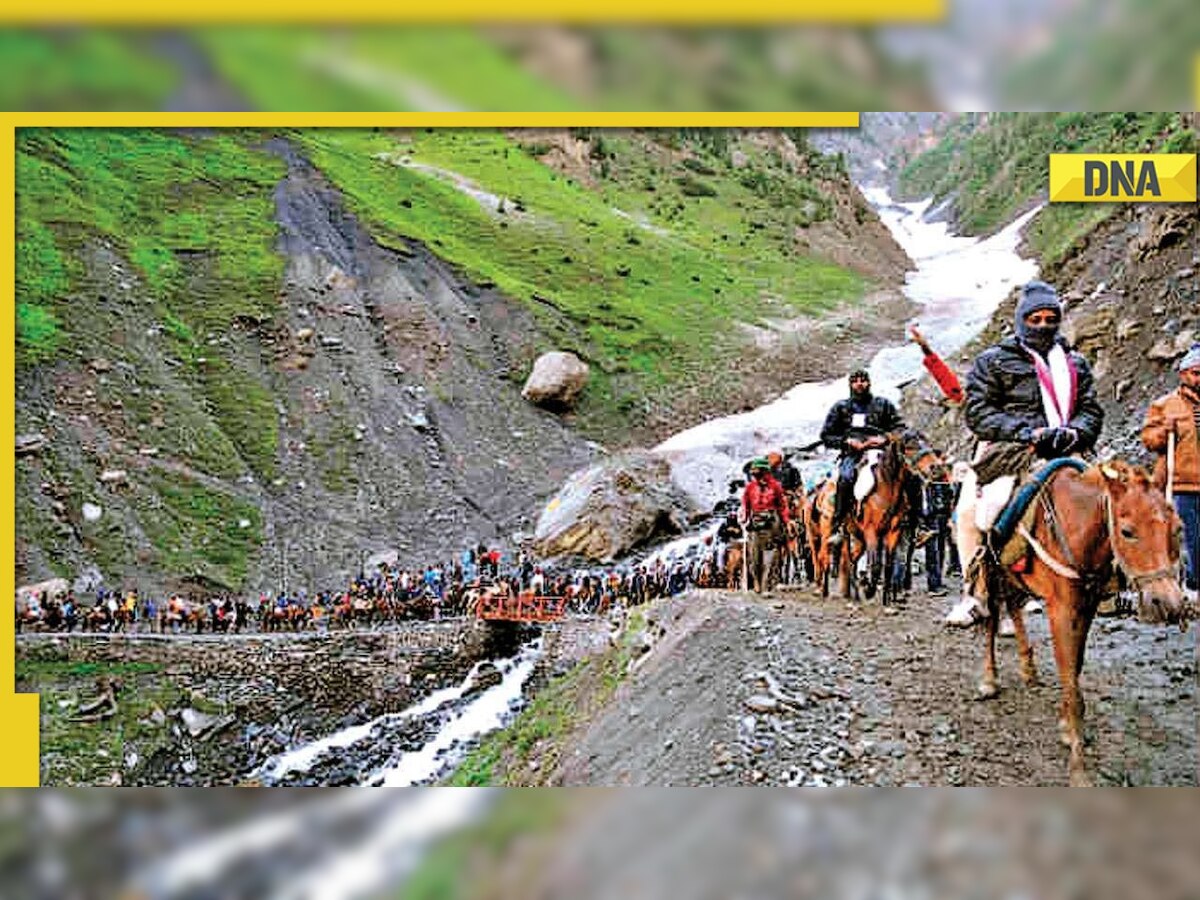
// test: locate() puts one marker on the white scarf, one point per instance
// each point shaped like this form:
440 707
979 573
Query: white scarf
1056 382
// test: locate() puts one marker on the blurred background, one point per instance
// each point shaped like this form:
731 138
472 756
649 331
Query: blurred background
988 55
597 843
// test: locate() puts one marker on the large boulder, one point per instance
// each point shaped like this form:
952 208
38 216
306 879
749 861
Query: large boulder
611 508
556 381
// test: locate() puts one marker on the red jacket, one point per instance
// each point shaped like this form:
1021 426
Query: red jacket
761 497
945 378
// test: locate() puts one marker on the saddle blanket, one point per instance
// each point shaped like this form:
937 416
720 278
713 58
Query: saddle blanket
865 482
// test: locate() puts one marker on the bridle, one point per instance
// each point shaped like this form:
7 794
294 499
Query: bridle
1139 580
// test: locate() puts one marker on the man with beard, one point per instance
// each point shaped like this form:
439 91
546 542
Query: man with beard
1177 416
854 426
1030 397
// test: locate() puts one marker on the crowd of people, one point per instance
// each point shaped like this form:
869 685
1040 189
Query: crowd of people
390 594
1027 400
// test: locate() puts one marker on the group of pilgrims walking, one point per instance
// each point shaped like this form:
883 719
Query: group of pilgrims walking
1028 400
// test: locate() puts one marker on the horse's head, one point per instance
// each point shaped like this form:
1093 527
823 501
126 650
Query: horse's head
1145 533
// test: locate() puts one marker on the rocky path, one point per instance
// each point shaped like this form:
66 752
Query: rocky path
792 690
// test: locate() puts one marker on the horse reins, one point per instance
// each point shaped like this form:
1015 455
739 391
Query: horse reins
1050 516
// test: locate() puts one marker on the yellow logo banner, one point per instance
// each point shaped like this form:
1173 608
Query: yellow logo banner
138 12
1122 177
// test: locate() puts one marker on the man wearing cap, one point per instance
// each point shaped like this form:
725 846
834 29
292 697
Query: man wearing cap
1177 416
1032 394
765 515
853 426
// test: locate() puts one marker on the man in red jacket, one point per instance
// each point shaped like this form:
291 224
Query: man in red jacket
765 518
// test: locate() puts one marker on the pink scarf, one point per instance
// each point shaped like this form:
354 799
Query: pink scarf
1058 381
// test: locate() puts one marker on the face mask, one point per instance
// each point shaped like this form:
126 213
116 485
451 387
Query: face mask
1041 337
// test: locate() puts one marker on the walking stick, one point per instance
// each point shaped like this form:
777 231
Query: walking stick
1171 466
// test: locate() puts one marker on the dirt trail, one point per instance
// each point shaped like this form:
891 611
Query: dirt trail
792 690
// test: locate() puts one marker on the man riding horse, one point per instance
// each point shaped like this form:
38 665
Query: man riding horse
1029 397
854 426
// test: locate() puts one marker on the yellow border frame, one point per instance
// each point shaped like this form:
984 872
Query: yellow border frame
348 12
19 713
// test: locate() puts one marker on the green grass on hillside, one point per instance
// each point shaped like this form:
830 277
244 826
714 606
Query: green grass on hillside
90 753
1133 55
81 69
195 217
197 530
644 298
389 68
996 164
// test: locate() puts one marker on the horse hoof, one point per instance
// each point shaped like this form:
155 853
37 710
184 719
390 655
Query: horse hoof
986 690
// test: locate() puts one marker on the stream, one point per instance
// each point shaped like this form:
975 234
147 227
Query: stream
958 282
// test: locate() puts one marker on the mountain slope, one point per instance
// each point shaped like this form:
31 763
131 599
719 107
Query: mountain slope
992 166
261 357
1128 272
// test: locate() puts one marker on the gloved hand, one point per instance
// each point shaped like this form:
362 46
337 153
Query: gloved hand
1054 442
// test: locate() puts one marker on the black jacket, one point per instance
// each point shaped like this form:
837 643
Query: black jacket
1004 402
881 418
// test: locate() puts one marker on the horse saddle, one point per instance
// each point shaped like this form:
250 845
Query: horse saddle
1020 509
865 482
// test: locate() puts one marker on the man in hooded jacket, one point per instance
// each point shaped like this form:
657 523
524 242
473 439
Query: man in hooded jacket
1030 390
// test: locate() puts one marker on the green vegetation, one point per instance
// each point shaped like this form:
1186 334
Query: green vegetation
995 164
160 199
636 273
81 69
503 757
196 530
154 253
389 68
1120 54
457 866
83 752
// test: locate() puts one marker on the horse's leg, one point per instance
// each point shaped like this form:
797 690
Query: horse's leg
1024 647
874 567
988 687
849 566
1069 634
987 684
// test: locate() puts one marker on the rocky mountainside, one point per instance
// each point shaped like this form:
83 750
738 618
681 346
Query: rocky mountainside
883 144
252 360
1133 308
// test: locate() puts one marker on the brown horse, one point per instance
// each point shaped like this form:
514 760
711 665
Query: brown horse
1110 516
793 556
820 528
880 522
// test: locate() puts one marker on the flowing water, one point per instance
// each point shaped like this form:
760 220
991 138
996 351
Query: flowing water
958 282
446 723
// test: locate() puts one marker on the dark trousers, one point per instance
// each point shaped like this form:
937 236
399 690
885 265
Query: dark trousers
935 553
847 473
1188 506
